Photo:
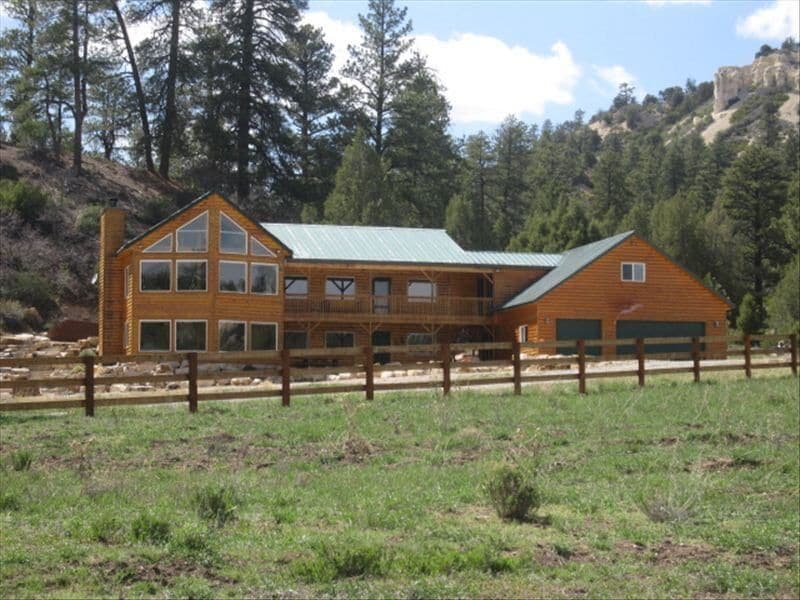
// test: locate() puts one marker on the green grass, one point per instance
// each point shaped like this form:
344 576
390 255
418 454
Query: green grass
674 490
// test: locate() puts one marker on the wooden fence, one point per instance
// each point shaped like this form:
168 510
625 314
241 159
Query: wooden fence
279 365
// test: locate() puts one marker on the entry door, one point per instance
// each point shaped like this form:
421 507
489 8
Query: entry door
381 338
381 290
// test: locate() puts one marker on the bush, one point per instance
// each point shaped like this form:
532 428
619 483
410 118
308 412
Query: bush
32 318
12 316
216 504
28 201
8 502
751 315
154 210
21 460
88 221
349 559
105 529
194 541
8 172
512 494
31 289
148 528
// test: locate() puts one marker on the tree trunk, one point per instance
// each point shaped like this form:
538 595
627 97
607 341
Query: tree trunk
243 118
137 82
170 111
77 107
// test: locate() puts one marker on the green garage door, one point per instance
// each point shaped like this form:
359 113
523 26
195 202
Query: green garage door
578 329
650 329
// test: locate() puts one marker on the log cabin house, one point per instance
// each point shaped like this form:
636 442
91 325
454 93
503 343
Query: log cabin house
209 278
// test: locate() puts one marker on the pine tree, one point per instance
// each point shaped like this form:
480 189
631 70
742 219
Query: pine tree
467 217
512 147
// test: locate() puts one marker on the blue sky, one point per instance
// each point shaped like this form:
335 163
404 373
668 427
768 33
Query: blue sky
543 60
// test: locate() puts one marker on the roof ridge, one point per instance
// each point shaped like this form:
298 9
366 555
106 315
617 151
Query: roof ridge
269 223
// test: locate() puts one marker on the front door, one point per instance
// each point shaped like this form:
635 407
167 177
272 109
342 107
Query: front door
381 338
381 290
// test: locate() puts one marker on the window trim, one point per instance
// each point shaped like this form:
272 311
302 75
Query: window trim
242 230
340 296
287 278
430 299
277 278
190 260
325 338
155 260
250 340
178 230
219 277
633 272
126 284
149 249
169 328
520 329
126 331
219 336
175 333
253 241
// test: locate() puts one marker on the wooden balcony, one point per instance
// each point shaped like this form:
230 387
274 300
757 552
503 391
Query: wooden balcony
390 309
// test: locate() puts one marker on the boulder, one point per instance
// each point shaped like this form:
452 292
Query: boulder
241 381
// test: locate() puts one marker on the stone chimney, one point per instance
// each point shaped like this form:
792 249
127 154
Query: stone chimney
111 304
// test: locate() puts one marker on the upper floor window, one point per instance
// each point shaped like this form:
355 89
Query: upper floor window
191 275
263 278
421 291
340 287
259 249
193 237
633 271
339 339
162 245
232 238
232 276
155 275
295 286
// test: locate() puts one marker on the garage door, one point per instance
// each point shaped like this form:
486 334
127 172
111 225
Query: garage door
646 329
578 329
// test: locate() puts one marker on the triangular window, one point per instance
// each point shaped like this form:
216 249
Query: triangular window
232 238
259 249
162 245
193 237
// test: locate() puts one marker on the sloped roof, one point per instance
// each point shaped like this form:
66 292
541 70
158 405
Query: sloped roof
571 262
513 259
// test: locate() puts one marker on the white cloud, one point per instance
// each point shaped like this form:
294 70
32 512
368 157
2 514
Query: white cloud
615 75
666 2
486 79
775 22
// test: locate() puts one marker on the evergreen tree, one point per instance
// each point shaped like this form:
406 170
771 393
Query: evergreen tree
676 227
609 183
512 146
467 218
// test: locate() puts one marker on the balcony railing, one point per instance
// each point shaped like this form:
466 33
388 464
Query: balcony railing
387 307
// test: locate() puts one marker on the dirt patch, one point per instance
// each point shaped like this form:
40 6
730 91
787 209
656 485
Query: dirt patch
723 463
555 556
669 553
162 572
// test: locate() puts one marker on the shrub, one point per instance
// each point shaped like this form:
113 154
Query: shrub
32 318
8 502
30 289
27 200
150 529
8 171
88 221
337 561
195 541
21 460
512 494
12 316
155 209
105 529
216 503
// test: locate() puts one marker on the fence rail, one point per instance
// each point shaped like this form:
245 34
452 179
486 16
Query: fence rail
279 365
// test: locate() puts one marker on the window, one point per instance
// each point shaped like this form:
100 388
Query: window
633 272
263 336
126 284
232 277
231 336
263 278
126 333
259 249
523 333
190 336
295 286
193 237
232 238
191 275
154 336
419 339
421 291
293 340
340 287
155 276
339 339
162 245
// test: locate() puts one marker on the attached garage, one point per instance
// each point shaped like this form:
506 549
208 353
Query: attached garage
578 329
659 329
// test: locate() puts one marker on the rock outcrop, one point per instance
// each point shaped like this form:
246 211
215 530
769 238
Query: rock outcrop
731 84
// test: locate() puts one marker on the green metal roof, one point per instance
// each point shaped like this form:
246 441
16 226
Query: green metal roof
513 259
571 262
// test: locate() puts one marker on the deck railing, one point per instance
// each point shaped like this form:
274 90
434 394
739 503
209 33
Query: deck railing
386 306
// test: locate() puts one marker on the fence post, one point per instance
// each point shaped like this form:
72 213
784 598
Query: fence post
581 366
445 369
88 385
793 352
285 377
369 372
517 361
747 370
640 360
696 359
192 358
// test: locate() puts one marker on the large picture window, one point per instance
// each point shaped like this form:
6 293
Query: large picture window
421 291
295 286
154 336
293 340
155 276
232 238
339 339
190 336
263 336
340 287
191 275
232 277
263 278
193 237
231 336
633 272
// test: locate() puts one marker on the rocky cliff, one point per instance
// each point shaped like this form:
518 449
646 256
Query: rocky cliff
779 70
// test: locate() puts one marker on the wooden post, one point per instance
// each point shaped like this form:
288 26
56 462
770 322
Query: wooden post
88 384
369 372
517 362
581 366
445 369
640 360
747 370
286 391
696 359
192 358
793 352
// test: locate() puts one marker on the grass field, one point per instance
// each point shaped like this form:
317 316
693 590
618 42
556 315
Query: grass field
675 490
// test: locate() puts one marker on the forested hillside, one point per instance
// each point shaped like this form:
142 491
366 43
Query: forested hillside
239 96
